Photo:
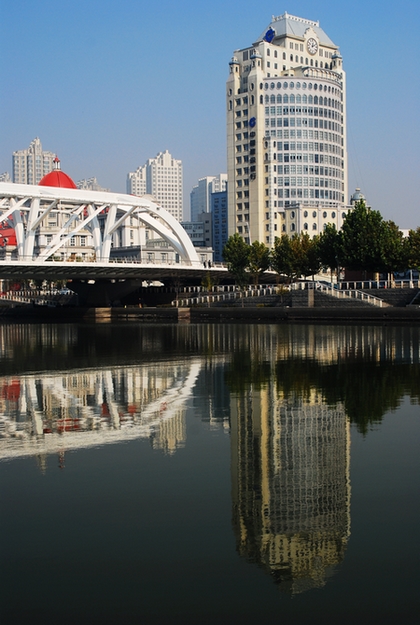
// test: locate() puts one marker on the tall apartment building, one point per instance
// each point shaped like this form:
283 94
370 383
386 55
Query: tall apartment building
219 221
286 132
136 182
160 177
30 165
200 196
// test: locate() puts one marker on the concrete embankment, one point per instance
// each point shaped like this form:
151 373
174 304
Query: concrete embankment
248 314
310 315
274 315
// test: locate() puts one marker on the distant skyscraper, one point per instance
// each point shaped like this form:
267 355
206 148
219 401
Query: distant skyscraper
286 132
91 184
200 230
200 196
219 223
160 177
5 177
136 182
30 165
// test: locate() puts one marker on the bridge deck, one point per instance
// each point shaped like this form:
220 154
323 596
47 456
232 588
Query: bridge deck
112 270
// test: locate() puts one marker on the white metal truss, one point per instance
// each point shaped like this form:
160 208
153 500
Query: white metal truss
27 207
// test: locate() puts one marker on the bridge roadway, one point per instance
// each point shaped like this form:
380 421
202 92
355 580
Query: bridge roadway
114 269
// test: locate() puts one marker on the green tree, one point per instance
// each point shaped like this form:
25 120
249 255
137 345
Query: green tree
282 257
259 260
329 249
396 250
359 238
413 249
208 283
368 243
309 263
296 256
236 255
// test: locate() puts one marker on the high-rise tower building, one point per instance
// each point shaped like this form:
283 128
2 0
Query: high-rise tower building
200 196
30 165
160 177
219 224
136 182
286 133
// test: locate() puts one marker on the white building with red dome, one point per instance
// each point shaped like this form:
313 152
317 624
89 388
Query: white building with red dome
57 221
79 246
57 178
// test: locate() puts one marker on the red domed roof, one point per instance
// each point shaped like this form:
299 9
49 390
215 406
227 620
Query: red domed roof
57 178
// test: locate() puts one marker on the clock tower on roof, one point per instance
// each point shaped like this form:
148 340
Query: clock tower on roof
286 133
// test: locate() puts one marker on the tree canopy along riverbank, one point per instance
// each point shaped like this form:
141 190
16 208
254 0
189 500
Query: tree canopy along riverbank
366 243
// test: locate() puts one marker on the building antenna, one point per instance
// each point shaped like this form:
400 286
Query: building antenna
357 172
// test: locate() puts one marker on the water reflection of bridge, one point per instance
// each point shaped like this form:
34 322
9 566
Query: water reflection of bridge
48 413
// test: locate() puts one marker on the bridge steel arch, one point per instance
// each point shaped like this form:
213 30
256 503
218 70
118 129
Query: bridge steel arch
25 207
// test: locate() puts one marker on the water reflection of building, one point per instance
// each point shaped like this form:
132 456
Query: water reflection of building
291 490
171 434
329 344
211 385
47 413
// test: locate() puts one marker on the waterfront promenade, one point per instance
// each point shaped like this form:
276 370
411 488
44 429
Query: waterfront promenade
314 301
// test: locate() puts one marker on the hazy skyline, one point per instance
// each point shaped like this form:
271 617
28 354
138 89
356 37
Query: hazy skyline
107 85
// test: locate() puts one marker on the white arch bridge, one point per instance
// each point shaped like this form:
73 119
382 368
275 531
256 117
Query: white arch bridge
30 209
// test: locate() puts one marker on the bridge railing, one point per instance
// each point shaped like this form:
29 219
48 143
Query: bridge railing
171 263
38 297
199 295
119 261
379 284
17 298
334 291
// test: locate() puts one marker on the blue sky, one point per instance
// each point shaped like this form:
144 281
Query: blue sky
108 84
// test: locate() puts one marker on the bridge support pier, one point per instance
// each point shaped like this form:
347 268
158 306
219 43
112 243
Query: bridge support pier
102 293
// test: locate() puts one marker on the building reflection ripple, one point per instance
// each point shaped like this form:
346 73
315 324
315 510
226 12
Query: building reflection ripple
286 395
56 411
291 488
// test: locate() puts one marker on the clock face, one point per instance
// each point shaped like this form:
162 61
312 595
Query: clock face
252 122
312 45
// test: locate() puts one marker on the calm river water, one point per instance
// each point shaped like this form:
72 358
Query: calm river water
200 474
